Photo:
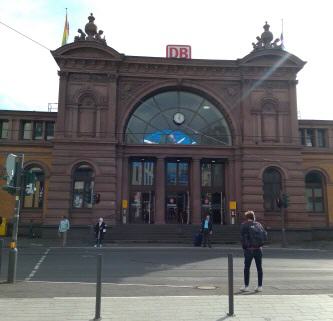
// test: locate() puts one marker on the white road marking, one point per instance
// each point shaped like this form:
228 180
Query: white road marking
36 267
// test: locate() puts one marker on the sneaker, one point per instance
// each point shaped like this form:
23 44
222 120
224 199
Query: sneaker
95 245
245 289
100 245
258 289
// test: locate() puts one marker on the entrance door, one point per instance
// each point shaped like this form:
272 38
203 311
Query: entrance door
177 192
213 190
177 208
142 207
213 203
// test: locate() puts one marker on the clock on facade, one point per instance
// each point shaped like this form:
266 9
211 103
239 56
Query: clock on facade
178 118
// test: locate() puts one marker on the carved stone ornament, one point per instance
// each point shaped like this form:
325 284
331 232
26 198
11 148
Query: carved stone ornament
265 41
90 33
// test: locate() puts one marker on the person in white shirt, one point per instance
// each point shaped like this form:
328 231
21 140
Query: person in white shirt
62 230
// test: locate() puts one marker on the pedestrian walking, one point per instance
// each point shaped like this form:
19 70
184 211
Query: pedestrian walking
62 230
207 231
253 236
100 229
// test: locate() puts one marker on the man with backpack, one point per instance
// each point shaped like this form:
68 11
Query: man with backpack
253 236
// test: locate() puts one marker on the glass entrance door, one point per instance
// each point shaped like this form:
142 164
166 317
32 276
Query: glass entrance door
177 210
177 192
142 207
213 203
213 190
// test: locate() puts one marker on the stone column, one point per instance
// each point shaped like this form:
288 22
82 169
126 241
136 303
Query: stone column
196 191
112 107
61 115
160 192
125 195
98 122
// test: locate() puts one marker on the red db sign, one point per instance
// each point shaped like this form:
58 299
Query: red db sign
178 51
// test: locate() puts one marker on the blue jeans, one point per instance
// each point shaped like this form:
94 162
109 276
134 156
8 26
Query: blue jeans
249 254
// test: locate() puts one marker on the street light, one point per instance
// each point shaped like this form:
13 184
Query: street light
282 203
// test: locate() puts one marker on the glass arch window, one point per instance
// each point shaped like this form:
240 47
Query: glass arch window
83 186
314 192
36 199
177 117
272 187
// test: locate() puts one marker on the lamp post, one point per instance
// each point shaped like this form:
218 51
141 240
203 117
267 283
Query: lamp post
12 257
283 203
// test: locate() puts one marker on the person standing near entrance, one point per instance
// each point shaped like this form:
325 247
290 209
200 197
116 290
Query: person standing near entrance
253 236
207 230
100 230
62 230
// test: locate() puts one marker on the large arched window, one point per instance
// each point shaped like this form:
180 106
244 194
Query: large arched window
177 117
314 192
83 185
272 187
36 199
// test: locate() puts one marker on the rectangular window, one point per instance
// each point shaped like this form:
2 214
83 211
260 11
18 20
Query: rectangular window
38 130
321 138
3 129
206 174
183 173
318 199
78 194
171 173
49 130
142 172
26 130
148 173
218 174
308 198
136 173
309 137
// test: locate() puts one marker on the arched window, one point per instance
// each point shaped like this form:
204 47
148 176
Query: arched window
178 117
83 186
314 192
36 199
272 187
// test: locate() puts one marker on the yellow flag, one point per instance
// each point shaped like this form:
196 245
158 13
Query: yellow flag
66 31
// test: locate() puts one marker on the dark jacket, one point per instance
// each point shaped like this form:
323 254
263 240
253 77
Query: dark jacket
100 230
210 225
245 235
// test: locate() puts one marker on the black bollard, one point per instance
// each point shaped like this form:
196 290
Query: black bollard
98 288
231 284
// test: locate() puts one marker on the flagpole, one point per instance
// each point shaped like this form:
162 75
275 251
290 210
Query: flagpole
281 38
66 31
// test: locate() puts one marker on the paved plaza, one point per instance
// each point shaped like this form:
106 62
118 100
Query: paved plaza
165 282
179 308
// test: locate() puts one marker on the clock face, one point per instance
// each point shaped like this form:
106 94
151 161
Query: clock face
178 118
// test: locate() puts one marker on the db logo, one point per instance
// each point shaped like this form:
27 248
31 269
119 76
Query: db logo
178 51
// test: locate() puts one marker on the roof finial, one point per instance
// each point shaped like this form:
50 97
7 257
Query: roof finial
265 41
91 33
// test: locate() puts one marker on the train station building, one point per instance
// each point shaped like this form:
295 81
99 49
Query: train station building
167 140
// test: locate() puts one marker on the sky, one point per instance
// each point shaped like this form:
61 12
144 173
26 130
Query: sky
215 29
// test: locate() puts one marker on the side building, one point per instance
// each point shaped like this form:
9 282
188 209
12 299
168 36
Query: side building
164 141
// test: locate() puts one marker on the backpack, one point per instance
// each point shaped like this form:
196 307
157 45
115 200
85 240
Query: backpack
257 235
